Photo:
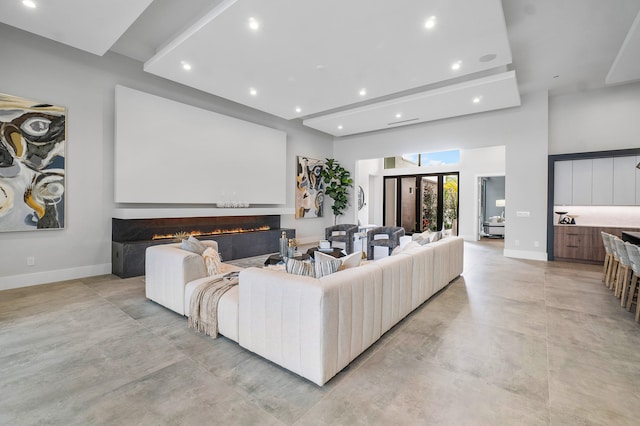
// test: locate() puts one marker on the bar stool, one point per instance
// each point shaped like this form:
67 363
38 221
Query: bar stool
613 267
632 295
608 258
624 268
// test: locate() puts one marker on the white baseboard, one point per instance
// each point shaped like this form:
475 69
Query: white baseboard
45 277
524 254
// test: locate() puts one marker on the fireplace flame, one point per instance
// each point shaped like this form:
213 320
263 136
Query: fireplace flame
210 233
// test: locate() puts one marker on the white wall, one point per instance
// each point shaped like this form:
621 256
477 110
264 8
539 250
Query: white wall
524 133
43 70
599 120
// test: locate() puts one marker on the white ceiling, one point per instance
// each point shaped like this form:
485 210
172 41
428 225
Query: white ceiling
317 55
93 26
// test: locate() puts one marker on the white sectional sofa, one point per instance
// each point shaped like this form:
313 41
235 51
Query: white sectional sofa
172 274
316 327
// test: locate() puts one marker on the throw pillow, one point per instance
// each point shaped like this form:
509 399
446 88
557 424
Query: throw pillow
193 245
350 261
298 267
212 261
400 249
328 267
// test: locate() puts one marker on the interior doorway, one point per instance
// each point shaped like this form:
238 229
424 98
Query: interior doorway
419 203
491 207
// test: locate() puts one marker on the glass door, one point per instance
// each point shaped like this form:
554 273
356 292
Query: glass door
422 202
429 203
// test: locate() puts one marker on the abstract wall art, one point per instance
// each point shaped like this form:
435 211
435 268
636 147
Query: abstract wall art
32 164
309 188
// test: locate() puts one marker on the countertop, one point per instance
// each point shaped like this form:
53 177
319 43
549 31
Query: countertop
598 226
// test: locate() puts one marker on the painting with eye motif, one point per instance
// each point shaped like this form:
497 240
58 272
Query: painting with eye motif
32 164
309 188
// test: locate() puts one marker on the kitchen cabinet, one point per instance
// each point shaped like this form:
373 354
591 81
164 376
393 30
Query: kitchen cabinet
624 181
581 186
637 182
562 182
602 182
582 243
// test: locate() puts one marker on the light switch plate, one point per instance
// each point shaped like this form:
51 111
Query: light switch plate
523 214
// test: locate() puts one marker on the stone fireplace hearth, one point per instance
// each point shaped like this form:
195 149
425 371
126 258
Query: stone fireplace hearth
237 237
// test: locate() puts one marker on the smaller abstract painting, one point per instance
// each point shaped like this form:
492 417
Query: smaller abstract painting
309 188
32 164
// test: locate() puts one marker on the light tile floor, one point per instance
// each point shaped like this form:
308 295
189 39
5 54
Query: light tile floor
510 342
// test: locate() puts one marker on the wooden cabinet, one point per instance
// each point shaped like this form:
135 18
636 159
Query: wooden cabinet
582 243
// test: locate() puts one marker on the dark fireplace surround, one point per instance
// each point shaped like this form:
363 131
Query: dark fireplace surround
237 237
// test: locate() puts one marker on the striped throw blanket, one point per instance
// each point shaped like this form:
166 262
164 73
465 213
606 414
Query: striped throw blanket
203 306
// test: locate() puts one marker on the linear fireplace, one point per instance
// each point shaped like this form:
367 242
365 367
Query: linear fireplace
237 237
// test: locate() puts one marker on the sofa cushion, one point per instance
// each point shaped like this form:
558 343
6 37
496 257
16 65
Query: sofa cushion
227 305
351 261
298 267
193 245
409 245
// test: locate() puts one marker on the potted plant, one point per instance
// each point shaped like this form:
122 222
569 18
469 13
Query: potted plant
337 181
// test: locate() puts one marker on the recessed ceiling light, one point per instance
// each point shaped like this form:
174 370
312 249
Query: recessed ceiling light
186 66
253 24
29 4
398 115
477 99
456 65
298 109
340 127
253 91
430 23
363 92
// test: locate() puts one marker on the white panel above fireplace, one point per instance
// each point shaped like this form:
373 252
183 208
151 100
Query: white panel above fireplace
167 152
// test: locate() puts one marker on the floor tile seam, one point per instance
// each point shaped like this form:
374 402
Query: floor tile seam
546 329
506 298
142 326
503 328
612 317
200 366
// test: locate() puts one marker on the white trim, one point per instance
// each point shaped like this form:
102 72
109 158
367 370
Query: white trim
45 277
524 254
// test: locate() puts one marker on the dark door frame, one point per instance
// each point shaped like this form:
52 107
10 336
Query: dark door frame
418 195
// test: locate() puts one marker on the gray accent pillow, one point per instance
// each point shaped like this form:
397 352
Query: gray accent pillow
193 245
